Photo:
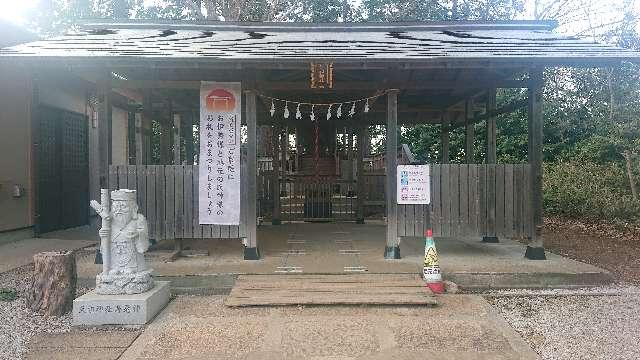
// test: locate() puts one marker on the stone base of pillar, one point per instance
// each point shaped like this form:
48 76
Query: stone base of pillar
360 221
535 253
251 253
490 239
276 222
392 252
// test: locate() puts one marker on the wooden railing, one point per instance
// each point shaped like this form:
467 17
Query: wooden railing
462 197
168 198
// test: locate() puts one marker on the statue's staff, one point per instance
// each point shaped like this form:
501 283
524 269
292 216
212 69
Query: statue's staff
104 210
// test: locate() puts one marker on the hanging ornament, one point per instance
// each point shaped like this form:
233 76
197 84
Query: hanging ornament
353 109
366 106
339 112
298 113
312 116
329 112
273 108
286 110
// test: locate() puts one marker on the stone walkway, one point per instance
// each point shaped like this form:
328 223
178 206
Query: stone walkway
81 344
462 327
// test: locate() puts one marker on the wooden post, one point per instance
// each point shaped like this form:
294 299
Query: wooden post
189 144
138 139
360 174
535 248
165 136
491 128
176 139
444 138
469 133
392 250
275 160
104 127
491 236
53 286
147 119
250 243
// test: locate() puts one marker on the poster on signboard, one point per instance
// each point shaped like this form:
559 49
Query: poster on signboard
219 164
414 186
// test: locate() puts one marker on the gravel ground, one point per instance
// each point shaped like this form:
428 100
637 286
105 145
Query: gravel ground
598 323
17 323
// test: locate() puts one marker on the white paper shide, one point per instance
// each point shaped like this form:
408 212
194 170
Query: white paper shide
219 164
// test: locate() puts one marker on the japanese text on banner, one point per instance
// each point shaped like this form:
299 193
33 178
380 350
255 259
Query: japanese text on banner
219 178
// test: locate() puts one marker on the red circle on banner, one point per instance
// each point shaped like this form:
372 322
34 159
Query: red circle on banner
221 100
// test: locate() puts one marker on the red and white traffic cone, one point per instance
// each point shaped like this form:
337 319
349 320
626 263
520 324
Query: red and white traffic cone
431 270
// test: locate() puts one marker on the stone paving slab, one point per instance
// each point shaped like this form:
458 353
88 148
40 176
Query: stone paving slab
461 327
20 253
81 344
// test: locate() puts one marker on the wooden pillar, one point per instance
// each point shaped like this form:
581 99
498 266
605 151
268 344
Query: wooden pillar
275 160
444 138
138 139
104 135
491 236
250 243
491 128
535 248
469 133
392 250
165 135
177 118
360 173
189 144
147 120
298 149
104 128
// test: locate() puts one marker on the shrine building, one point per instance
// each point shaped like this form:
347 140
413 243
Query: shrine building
118 105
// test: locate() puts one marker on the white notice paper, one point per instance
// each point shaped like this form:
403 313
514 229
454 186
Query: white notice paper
219 178
414 185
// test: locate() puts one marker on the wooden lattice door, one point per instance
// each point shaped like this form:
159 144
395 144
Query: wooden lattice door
62 170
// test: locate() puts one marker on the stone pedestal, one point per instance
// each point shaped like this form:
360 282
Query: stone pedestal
134 309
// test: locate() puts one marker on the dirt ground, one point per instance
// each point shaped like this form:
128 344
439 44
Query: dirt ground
613 247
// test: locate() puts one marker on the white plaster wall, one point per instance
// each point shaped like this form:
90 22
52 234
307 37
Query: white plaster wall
15 149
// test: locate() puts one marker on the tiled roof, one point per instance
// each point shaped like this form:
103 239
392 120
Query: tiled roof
238 42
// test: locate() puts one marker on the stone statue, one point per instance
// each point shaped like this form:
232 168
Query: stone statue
124 237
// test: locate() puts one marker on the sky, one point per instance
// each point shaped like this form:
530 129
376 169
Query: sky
603 11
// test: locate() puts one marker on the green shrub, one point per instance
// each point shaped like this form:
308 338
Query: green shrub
590 191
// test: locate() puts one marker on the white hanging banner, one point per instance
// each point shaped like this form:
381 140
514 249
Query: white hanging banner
219 178
414 185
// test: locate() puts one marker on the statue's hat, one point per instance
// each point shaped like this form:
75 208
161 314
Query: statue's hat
123 195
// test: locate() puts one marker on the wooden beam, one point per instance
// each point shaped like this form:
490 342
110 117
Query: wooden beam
462 83
147 120
275 160
491 127
104 127
189 145
362 139
392 250
512 106
138 139
535 248
444 138
469 133
251 242
177 118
